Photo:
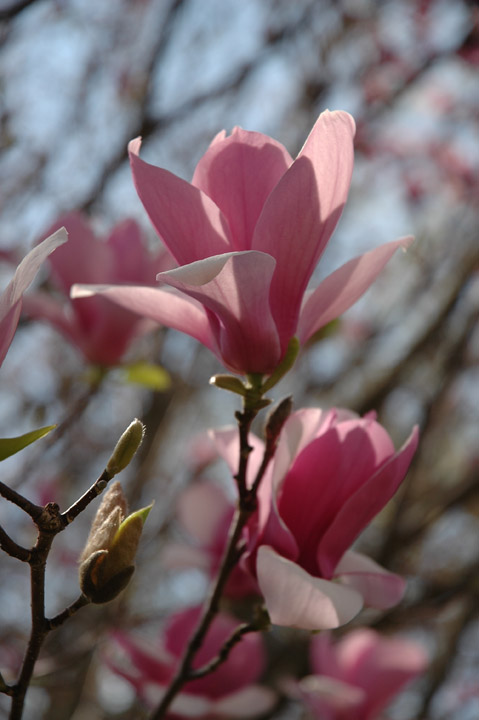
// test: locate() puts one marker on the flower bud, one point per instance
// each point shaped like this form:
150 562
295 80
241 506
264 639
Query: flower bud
107 562
126 448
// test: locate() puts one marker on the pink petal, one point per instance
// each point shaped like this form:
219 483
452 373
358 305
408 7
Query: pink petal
379 665
298 431
340 290
234 288
296 599
201 509
238 173
186 219
84 260
248 702
10 299
379 588
301 213
361 507
163 306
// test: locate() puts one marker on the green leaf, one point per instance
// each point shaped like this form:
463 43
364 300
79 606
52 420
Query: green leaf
10 446
149 375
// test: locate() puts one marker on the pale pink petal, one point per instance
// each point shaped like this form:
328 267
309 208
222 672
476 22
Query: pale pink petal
234 288
130 261
296 599
10 299
302 211
363 505
238 173
163 306
187 220
248 702
185 705
201 509
340 290
379 588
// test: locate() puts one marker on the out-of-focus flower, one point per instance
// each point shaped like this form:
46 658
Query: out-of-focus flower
205 512
230 691
332 473
12 297
357 677
107 561
100 329
247 234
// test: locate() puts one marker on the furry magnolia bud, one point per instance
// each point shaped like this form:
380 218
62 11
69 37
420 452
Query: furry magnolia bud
126 448
107 562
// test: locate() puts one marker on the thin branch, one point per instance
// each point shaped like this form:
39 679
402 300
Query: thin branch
232 553
96 489
59 619
9 13
12 548
223 654
20 501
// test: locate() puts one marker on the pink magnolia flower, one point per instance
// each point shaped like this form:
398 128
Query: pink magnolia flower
332 473
247 234
228 692
356 678
11 298
100 329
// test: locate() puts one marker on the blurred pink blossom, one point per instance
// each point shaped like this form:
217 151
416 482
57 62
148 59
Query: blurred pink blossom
228 692
12 297
100 329
356 678
247 234
332 473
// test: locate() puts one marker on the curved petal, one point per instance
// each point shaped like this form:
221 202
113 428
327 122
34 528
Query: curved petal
301 213
188 221
298 431
379 588
340 290
360 508
10 299
238 173
234 288
296 599
163 306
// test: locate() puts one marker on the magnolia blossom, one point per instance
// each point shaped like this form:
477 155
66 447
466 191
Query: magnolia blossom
332 473
228 692
100 329
247 233
358 676
11 298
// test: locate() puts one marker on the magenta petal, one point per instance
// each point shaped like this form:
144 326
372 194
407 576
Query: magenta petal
296 599
340 290
187 220
379 588
363 505
10 299
301 213
201 509
163 306
238 173
234 288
